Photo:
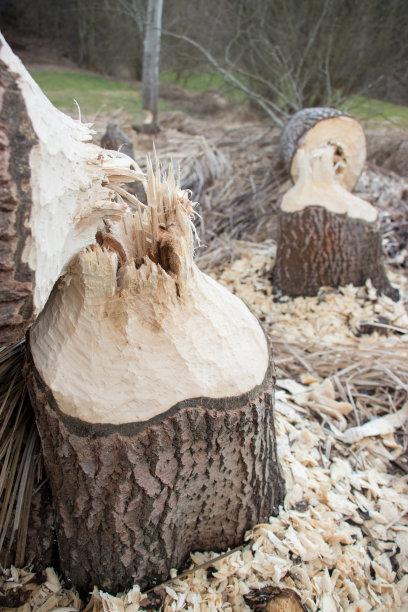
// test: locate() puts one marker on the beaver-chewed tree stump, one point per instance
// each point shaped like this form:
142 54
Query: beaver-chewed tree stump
327 236
151 384
152 387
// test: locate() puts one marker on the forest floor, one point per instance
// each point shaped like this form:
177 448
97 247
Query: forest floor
340 542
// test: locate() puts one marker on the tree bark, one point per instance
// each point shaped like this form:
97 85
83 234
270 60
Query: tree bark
318 248
134 500
151 58
17 138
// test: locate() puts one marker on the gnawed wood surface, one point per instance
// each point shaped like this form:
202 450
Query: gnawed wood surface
317 185
57 193
312 127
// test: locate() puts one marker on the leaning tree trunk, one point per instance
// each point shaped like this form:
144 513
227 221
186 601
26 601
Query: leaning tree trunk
326 235
151 384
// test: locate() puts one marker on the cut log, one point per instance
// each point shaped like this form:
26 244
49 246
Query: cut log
327 236
312 127
152 387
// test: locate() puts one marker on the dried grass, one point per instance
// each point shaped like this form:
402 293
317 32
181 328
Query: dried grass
20 458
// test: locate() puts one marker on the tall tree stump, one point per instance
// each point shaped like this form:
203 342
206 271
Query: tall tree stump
151 384
326 235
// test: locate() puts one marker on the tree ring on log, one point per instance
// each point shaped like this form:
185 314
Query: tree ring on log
313 127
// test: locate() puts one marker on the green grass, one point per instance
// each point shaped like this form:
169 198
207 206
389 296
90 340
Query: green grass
198 81
97 94
370 110
93 93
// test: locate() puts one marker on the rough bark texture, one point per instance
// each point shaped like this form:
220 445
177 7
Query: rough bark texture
318 248
133 500
41 548
17 138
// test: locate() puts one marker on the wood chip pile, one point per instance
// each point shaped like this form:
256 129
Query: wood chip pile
341 540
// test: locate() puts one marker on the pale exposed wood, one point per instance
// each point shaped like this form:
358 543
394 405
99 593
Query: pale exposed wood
347 136
313 127
317 185
136 315
62 192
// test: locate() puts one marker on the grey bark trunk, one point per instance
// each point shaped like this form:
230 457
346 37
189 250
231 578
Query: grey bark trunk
151 57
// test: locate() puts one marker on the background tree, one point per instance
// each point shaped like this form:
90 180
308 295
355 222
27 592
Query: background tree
285 54
151 59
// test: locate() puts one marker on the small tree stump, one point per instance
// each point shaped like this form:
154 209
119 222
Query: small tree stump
326 235
116 140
